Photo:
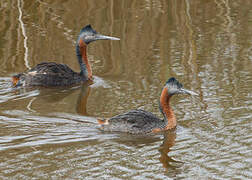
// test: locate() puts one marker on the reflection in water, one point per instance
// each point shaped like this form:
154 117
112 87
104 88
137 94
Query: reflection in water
20 7
164 149
135 140
49 95
141 141
38 99
81 105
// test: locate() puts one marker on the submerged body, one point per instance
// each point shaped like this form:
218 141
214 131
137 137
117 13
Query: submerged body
144 122
54 74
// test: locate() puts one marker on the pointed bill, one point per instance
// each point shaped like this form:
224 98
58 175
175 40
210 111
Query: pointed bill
185 91
103 37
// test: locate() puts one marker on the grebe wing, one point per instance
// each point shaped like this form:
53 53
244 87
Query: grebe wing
51 68
48 74
135 121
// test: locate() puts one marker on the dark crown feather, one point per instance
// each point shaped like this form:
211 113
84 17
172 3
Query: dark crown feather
88 28
174 82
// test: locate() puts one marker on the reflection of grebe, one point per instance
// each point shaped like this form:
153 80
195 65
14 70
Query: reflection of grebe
53 74
140 121
82 100
169 141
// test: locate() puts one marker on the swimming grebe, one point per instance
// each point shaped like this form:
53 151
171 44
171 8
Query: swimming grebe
53 74
143 122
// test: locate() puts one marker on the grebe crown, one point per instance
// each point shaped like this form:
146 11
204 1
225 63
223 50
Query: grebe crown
175 87
174 82
88 28
88 34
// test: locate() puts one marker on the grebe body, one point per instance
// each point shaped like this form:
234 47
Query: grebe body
144 122
54 74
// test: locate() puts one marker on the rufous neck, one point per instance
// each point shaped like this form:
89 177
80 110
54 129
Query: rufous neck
166 109
81 51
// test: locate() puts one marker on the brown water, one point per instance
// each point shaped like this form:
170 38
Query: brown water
53 133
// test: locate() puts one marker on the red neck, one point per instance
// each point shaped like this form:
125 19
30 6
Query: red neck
83 52
167 110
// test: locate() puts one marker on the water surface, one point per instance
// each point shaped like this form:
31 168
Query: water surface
53 133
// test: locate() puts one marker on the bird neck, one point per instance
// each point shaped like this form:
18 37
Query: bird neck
81 51
165 108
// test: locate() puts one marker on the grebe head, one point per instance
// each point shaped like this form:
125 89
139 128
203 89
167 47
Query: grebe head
88 34
175 87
